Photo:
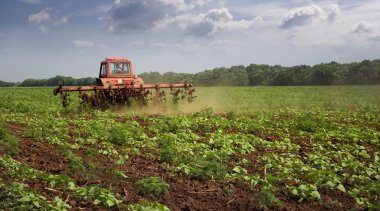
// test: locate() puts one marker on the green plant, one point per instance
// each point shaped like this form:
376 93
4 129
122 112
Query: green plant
77 164
306 191
117 173
125 133
147 206
212 164
152 186
99 195
9 140
168 149
267 199
16 196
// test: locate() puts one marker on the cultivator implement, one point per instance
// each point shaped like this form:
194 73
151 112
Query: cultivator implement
117 85
107 96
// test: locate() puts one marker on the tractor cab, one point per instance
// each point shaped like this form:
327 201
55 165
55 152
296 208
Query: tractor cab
117 71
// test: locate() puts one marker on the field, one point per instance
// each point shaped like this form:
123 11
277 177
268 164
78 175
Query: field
245 148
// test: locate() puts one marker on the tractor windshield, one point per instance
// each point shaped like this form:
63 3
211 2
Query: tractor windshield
117 68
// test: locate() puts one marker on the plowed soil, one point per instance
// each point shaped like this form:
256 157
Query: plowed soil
184 193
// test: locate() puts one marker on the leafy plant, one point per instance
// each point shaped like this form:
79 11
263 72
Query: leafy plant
152 186
148 206
210 165
306 191
124 133
267 199
168 149
9 140
16 196
77 164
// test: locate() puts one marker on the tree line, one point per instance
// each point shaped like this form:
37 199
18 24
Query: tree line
333 73
54 81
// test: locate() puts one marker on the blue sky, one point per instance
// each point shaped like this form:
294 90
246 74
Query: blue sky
44 38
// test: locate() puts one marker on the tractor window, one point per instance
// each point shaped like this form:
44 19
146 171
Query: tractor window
103 71
120 68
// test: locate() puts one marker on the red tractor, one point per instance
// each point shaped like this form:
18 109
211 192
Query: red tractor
117 85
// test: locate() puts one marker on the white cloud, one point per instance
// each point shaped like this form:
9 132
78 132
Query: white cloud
63 20
301 16
42 28
367 31
43 19
376 38
93 11
334 14
138 15
219 15
200 3
241 24
182 5
86 44
364 27
209 23
177 4
161 14
215 20
201 29
187 46
40 17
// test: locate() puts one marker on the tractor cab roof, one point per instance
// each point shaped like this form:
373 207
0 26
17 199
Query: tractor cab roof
116 59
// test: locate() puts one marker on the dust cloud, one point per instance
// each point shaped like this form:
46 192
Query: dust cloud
213 98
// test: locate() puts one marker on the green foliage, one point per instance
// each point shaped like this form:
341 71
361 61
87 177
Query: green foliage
98 194
9 141
168 149
16 196
207 112
365 72
147 206
121 134
307 125
211 165
55 81
117 173
306 191
77 164
152 186
266 199
320 138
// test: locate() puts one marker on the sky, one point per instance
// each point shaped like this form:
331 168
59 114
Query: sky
44 38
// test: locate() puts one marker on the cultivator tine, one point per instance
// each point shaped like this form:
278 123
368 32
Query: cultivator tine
100 100
64 95
59 89
65 99
159 96
104 97
175 93
190 97
86 98
141 95
146 93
